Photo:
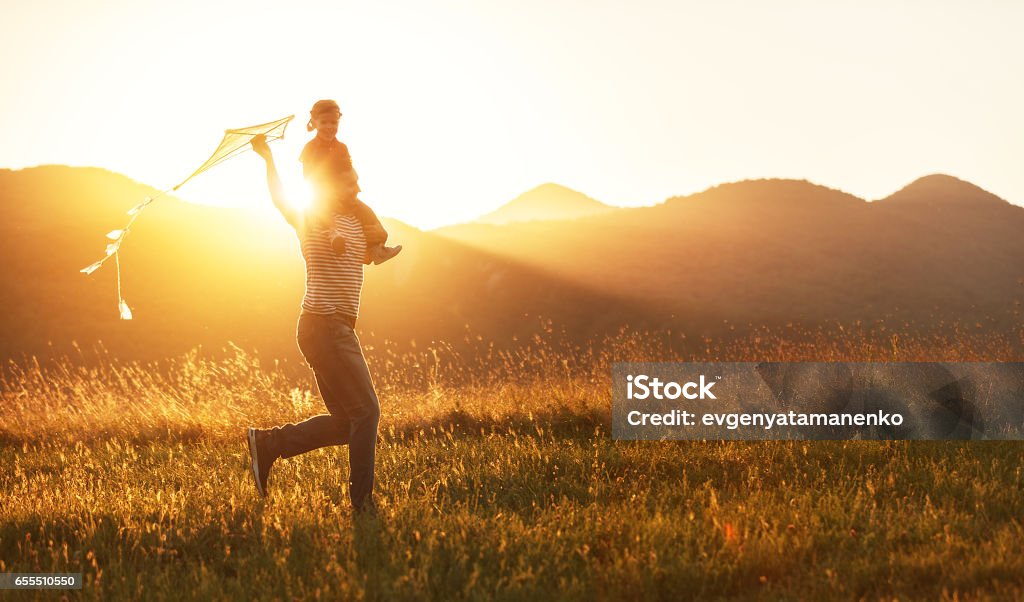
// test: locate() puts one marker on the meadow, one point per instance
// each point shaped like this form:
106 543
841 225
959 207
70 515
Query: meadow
497 479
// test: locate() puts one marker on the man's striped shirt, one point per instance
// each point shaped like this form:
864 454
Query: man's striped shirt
333 282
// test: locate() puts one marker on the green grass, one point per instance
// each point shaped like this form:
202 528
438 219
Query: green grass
495 483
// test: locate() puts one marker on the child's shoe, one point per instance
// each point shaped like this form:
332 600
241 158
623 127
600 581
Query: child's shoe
379 254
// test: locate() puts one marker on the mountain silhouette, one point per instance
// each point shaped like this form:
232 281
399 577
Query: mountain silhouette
780 251
196 274
940 190
758 252
545 202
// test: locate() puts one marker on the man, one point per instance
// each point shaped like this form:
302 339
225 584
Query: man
327 339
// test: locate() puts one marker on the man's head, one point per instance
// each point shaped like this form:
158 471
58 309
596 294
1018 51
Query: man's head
336 192
324 118
326 166
342 186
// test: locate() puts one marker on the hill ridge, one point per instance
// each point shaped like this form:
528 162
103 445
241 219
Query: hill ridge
942 189
548 201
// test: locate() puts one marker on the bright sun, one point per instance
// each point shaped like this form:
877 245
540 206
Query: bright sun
301 194
242 183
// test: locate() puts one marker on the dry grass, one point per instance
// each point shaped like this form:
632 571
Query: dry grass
498 479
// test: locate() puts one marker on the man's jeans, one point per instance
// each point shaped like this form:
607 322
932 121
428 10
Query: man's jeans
331 348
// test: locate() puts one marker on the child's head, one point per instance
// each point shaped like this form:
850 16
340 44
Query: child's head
324 118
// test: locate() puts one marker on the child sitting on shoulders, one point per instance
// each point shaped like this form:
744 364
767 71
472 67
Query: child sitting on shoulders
326 161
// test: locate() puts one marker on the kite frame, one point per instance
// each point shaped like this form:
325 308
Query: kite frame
282 123
118 236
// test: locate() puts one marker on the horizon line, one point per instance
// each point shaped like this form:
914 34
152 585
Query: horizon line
531 189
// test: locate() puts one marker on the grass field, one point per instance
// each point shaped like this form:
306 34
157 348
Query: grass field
498 479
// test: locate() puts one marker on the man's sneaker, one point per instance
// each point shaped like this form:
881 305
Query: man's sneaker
382 253
366 510
260 459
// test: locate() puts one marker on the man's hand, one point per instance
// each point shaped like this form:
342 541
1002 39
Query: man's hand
261 148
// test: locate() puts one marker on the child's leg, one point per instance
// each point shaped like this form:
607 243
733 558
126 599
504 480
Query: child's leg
369 220
376 235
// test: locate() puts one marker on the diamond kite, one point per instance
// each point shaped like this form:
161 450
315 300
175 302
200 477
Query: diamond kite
234 143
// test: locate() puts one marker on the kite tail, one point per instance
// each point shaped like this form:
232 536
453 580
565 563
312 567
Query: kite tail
122 305
233 143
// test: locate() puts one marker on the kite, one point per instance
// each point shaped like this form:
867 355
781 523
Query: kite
234 143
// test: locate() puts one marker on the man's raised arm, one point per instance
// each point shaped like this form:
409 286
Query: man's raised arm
290 213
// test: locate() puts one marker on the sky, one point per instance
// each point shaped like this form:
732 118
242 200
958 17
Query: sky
451 108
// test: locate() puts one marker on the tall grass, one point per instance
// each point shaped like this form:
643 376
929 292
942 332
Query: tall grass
497 479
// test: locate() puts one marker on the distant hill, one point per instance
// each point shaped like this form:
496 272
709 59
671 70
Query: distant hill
195 274
751 253
544 203
789 251
939 190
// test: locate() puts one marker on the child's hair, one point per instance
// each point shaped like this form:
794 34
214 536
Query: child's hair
320 107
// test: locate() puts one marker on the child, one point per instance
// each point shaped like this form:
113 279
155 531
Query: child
325 162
